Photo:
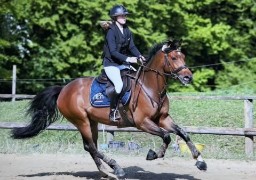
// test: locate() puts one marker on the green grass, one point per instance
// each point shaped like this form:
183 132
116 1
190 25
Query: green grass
13 111
210 113
204 113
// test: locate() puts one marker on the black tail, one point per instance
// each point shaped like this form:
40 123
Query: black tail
43 110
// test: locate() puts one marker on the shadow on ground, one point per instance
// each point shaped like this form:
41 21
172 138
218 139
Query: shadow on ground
132 172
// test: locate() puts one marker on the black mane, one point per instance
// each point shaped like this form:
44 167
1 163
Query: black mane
171 45
154 49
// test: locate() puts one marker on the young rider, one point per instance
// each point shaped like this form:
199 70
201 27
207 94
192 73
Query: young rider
117 49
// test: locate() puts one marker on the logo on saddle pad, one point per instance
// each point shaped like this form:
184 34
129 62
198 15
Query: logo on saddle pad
99 98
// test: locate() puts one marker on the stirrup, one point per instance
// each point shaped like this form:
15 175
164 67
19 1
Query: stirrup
114 115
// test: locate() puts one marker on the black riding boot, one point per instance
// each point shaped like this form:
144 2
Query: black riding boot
114 113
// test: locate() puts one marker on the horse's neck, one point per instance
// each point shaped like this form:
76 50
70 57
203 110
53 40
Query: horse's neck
153 80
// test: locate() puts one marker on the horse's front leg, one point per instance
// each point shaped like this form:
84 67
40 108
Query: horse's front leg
149 126
161 152
168 124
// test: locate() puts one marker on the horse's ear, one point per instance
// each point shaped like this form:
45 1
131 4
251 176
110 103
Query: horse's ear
170 41
180 42
171 44
164 47
177 44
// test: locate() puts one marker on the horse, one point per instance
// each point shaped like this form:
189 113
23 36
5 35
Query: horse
147 109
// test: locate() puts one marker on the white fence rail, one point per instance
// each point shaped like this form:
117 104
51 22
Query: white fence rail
248 131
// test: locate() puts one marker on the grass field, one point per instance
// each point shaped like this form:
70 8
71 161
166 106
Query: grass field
204 113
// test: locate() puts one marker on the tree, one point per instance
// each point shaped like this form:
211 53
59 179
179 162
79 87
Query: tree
66 41
15 43
238 78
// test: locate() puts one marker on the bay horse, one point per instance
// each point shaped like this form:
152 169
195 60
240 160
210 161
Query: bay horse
147 109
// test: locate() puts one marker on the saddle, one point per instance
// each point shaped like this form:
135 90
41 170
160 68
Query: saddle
102 89
110 88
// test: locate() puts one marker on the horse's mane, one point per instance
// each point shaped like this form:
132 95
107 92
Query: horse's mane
153 50
171 45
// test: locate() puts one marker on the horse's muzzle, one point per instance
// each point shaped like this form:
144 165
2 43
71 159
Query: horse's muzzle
187 79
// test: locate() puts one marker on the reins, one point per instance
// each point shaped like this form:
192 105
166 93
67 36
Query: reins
140 74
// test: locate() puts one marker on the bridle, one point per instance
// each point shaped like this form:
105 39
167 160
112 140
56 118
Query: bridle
162 93
173 73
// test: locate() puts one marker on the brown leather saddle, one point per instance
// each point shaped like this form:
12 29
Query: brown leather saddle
125 75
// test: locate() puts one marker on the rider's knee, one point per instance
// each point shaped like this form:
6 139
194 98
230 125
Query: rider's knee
119 87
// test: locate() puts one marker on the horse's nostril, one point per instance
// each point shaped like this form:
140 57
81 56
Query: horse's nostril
187 78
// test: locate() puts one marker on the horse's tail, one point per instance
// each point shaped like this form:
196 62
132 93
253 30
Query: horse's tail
43 111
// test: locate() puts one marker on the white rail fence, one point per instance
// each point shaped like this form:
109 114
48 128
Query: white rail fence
248 131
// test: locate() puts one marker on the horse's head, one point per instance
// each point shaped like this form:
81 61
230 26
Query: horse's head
174 62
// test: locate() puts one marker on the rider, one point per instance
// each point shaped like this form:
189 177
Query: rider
117 48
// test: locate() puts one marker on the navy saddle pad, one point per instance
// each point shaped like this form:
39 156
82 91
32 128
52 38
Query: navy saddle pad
99 98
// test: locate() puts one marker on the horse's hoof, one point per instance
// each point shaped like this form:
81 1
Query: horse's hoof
103 171
111 177
151 155
119 172
201 165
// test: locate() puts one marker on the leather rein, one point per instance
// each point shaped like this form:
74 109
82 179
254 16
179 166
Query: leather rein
161 93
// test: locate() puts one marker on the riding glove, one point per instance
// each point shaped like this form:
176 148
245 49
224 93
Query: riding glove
132 59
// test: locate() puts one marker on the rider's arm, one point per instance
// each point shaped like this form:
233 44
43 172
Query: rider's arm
133 49
111 40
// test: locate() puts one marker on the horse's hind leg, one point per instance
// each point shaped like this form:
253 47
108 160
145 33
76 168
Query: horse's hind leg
100 166
118 171
90 145
92 149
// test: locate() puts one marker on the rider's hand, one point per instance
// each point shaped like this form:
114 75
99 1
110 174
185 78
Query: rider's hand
142 59
132 59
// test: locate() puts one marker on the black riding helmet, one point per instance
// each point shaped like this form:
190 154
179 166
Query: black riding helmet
117 10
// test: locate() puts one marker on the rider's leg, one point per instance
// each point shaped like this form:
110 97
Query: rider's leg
114 75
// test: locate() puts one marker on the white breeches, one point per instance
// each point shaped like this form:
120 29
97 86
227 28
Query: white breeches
114 75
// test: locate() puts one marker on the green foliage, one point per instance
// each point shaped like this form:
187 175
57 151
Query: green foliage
242 76
66 41
15 44
201 79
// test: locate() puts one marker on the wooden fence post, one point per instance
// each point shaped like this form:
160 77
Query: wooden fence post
248 117
13 82
110 136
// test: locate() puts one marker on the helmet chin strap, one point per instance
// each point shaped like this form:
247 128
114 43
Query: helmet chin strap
119 23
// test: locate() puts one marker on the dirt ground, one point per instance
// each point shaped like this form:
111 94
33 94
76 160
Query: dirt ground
72 167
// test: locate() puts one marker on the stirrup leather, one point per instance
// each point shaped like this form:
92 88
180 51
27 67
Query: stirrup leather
114 115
